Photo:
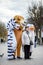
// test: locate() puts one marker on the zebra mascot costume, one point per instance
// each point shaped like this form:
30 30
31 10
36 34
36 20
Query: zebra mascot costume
11 40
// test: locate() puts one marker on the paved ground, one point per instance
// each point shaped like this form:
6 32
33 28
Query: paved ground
37 57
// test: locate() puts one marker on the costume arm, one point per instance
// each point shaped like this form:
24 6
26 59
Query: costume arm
12 24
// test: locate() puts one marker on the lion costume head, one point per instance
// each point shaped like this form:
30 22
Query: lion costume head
19 20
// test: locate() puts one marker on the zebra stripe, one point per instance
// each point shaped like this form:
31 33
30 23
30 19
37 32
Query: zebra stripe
10 39
10 51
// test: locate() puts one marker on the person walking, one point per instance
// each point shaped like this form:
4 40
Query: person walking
35 44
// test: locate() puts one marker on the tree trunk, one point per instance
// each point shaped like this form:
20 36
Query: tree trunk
40 36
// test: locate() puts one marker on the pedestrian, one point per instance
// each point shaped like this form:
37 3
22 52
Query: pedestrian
11 40
35 42
26 42
32 37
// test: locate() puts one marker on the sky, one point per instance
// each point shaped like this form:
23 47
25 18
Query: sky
10 8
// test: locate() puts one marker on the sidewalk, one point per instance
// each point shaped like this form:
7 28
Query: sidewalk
37 57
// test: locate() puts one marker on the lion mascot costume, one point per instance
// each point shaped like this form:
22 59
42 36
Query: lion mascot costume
18 33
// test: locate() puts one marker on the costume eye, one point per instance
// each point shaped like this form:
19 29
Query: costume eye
17 26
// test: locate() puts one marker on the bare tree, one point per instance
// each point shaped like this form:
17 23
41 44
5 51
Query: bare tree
36 15
3 30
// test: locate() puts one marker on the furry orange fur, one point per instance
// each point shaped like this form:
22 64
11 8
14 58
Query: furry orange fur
18 33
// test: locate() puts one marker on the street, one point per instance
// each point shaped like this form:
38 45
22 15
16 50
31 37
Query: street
37 57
